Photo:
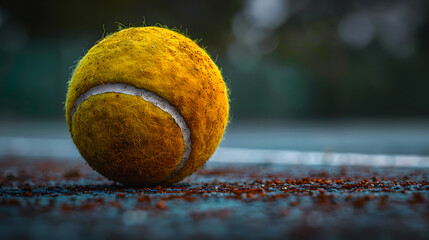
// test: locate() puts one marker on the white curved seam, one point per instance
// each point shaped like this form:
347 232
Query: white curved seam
151 97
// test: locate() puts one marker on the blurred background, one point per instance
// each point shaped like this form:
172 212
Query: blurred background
325 75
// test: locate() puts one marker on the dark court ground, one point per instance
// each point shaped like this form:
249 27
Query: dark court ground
48 199
349 180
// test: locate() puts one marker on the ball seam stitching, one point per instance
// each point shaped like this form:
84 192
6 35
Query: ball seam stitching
148 96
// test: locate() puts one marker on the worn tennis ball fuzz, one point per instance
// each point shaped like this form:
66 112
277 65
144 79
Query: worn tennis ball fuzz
146 106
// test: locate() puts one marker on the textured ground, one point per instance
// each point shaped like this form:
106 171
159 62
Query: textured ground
67 200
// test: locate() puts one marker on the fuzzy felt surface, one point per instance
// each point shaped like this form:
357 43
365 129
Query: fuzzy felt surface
168 64
127 139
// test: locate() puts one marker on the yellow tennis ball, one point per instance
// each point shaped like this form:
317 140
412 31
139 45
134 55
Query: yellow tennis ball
146 106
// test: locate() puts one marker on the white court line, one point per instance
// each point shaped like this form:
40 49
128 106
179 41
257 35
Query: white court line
64 149
242 155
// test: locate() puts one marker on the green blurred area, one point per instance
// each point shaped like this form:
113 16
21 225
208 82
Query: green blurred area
291 59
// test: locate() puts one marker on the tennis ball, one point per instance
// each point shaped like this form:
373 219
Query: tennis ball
146 106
